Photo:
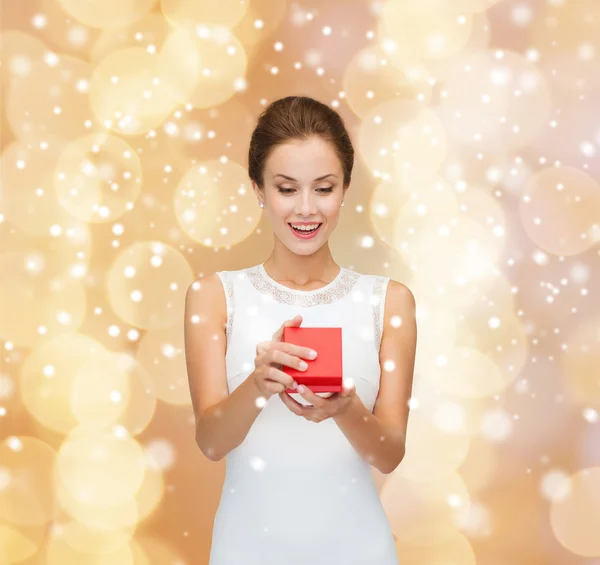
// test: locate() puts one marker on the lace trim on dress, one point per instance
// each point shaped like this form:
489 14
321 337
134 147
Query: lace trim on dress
340 288
378 308
230 307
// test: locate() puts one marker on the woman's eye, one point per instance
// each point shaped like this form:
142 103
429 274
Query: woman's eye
287 190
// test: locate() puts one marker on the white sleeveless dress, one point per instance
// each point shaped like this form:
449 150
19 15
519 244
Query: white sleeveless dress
296 492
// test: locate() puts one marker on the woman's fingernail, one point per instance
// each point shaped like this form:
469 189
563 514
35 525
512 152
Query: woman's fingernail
294 384
303 365
312 353
301 388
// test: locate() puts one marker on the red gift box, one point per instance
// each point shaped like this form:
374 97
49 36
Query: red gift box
324 374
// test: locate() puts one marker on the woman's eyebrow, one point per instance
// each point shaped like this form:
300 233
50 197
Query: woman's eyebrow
319 178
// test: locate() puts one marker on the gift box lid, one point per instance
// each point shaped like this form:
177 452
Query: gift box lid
327 342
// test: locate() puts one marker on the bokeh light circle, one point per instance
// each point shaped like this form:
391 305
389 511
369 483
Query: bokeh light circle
113 389
400 137
409 31
19 51
98 177
107 13
127 92
203 68
26 467
505 106
565 34
431 202
33 306
47 377
580 361
59 552
370 79
190 15
429 509
19 544
270 13
215 204
430 452
479 40
147 283
117 522
50 99
459 373
460 249
421 144
60 30
575 516
560 210
92 541
386 199
150 33
101 466
28 198
162 354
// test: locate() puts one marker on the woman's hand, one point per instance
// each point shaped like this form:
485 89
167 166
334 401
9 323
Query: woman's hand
322 408
272 355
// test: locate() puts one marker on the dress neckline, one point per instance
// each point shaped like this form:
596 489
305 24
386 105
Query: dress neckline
273 282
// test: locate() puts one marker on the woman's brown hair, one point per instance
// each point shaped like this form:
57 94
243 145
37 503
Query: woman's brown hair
298 117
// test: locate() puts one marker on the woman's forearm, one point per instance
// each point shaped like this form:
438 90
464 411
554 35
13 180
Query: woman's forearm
225 425
380 444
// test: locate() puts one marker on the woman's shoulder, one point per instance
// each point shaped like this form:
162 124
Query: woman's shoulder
205 297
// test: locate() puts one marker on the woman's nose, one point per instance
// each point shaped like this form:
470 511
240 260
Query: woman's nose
307 206
306 211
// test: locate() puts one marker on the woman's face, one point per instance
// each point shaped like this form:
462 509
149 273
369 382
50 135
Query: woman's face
313 191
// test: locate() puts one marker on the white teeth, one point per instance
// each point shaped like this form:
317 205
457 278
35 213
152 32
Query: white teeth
306 228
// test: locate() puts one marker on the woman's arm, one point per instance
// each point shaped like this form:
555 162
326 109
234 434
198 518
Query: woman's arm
222 419
380 437
224 426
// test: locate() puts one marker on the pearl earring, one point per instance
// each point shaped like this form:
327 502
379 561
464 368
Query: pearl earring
261 205
342 202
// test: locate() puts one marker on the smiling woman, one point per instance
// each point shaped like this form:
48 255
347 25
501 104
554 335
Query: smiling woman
300 163
298 487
